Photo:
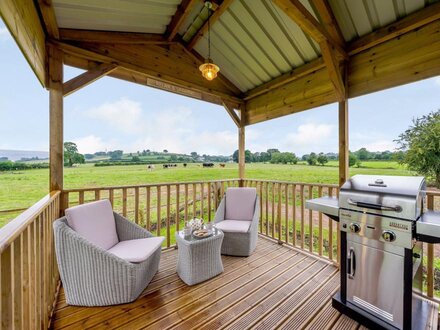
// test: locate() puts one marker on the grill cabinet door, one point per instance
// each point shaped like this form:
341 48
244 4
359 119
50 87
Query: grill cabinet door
375 282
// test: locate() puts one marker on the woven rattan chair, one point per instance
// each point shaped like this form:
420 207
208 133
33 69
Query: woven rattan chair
103 258
237 216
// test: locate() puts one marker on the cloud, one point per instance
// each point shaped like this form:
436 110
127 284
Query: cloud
4 34
124 115
381 145
310 134
90 144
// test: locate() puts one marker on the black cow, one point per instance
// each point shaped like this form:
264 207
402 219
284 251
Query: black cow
208 164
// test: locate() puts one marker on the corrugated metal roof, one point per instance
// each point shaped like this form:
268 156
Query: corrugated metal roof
254 42
147 16
357 18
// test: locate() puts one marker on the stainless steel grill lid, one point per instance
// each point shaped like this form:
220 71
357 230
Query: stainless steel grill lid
393 196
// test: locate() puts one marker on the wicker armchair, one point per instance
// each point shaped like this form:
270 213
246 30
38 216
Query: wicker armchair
237 216
96 272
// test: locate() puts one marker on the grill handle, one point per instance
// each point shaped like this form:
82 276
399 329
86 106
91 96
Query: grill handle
372 206
351 261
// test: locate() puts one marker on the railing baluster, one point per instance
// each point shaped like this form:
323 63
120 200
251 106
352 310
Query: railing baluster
261 207
279 214
286 210
177 207
202 197
194 196
330 230
267 208
168 215
273 210
7 287
186 202
430 255
159 211
294 215
302 214
80 197
209 202
111 196
97 194
136 205
320 225
124 202
148 209
338 237
310 221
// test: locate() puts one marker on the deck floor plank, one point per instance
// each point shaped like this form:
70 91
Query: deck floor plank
277 287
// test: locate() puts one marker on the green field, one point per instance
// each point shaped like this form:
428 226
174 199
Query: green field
22 189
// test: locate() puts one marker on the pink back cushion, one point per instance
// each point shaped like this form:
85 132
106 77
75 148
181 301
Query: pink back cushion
240 203
95 222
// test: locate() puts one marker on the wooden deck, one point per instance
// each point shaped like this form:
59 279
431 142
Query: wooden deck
276 287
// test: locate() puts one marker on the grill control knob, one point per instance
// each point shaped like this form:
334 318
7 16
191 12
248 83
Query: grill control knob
388 236
355 228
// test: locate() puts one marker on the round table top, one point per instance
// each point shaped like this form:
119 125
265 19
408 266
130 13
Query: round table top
190 238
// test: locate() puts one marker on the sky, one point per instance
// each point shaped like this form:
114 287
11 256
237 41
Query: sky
113 114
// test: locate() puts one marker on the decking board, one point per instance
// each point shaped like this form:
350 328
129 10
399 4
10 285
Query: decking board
276 287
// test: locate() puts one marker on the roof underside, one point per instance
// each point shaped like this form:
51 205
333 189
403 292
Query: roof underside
253 42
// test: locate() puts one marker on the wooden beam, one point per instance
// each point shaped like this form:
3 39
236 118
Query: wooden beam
241 147
333 69
23 22
285 78
343 142
179 17
112 37
56 117
204 28
87 78
301 16
409 23
50 21
328 21
232 113
155 62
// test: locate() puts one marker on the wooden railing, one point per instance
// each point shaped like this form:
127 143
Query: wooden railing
432 253
161 208
28 270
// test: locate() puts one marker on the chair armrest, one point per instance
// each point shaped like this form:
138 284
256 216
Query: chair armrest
128 230
256 217
220 213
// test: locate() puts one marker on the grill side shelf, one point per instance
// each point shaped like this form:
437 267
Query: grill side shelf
327 205
428 227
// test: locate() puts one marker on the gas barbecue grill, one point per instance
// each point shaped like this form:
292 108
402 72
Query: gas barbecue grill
382 228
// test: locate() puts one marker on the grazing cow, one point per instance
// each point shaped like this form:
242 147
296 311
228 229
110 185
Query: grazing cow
150 167
222 165
208 164
165 165
184 164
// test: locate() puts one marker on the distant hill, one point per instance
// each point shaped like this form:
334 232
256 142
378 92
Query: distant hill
19 154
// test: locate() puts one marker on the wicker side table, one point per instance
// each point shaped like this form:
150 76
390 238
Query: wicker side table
199 259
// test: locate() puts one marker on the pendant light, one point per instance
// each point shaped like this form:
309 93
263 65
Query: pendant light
209 69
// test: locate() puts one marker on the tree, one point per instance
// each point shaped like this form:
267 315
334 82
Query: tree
135 159
352 159
71 154
312 159
165 151
194 155
421 144
115 154
322 159
234 156
363 154
248 156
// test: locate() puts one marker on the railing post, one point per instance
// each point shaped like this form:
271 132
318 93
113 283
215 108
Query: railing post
241 149
56 117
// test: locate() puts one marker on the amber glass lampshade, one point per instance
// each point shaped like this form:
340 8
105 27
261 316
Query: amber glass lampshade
209 70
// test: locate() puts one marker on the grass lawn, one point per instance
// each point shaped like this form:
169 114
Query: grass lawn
22 189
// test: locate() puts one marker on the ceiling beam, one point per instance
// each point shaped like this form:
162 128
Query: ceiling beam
411 22
204 28
112 37
305 20
179 17
285 78
328 21
88 77
232 113
49 18
334 70
99 53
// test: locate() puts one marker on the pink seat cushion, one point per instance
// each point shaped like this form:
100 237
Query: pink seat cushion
240 203
95 222
234 226
136 250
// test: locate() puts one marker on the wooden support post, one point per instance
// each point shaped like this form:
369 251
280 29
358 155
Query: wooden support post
343 137
241 148
56 117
